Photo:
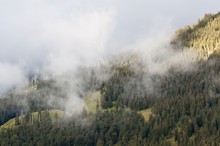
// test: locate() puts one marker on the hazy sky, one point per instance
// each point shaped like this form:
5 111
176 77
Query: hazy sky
57 36
22 21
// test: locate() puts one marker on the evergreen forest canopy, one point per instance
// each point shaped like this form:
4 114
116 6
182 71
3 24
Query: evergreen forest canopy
179 107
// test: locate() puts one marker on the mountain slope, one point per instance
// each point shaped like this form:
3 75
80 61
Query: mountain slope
177 108
204 36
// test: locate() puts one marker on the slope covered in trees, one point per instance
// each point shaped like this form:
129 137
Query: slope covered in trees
204 36
184 105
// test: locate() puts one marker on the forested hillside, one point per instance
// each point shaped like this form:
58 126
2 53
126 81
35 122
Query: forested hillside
203 36
183 105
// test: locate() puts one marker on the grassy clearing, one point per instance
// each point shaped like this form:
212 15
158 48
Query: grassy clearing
91 101
10 123
146 114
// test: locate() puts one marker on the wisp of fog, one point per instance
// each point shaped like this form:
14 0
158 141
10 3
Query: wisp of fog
57 38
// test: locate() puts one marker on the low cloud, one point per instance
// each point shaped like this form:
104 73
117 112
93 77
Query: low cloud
56 38
12 76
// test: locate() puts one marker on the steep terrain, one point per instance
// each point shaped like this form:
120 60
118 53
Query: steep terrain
204 36
131 106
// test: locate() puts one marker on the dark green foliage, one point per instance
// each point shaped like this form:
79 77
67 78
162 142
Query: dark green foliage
107 128
9 109
128 86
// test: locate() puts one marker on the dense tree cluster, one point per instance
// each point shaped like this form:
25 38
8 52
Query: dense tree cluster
106 128
129 86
